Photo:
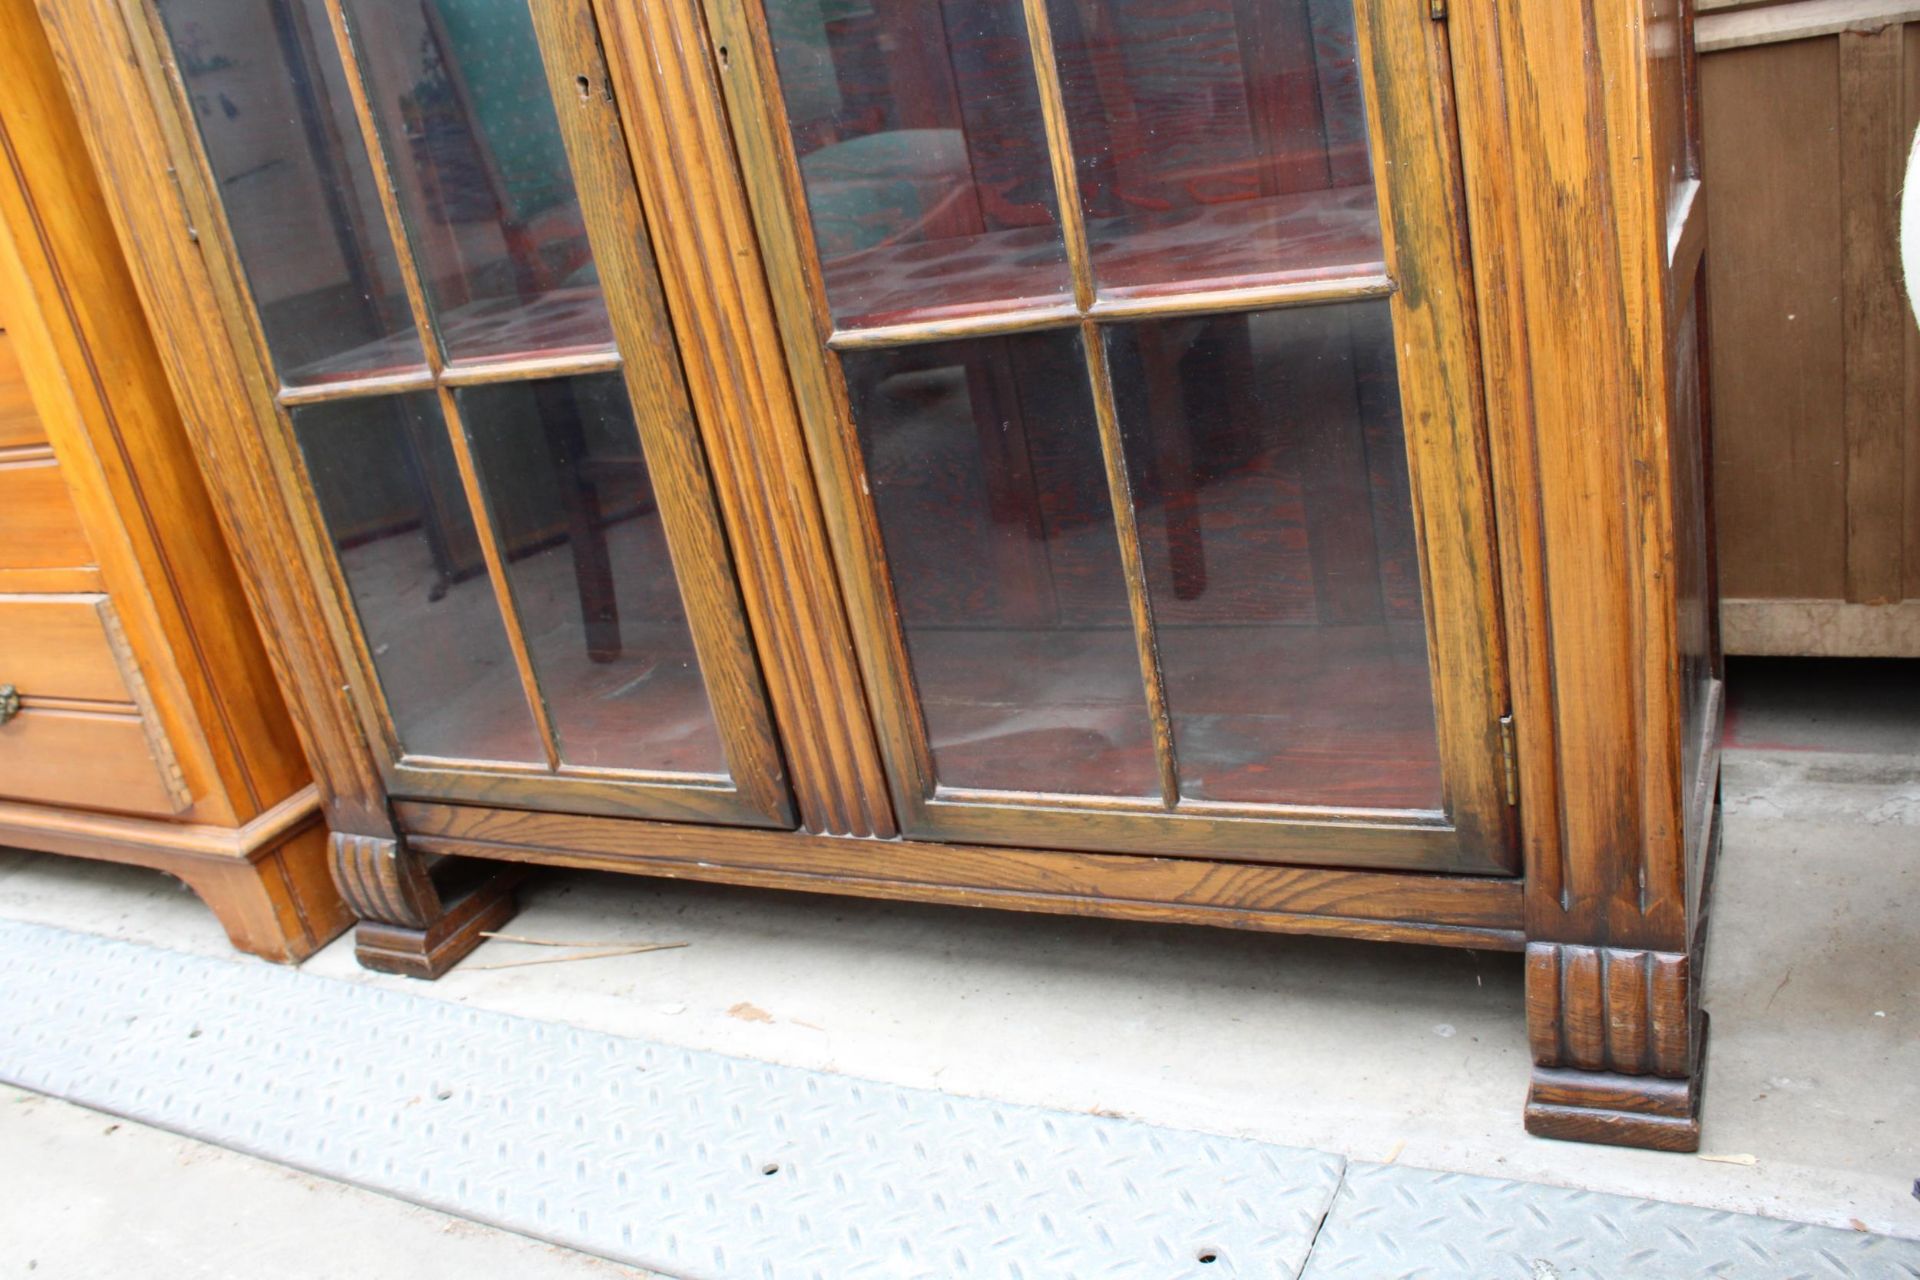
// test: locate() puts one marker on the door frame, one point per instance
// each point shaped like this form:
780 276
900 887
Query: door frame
1406 74
754 792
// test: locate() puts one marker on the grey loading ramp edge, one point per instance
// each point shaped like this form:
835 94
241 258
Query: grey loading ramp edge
700 1165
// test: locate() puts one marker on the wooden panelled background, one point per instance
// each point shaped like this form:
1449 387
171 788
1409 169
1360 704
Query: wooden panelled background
1808 108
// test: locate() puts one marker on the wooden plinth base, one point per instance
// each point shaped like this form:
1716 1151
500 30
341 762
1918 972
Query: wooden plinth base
430 952
1620 1110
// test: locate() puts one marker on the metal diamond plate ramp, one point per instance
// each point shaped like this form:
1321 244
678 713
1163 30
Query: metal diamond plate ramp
684 1162
1393 1223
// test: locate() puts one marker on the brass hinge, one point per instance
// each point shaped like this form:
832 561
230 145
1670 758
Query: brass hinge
1437 10
1510 765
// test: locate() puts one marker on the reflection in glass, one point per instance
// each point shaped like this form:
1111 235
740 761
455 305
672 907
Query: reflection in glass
271 102
384 476
984 463
1219 143
923 155
1269 476
586 554
1692 559
467 122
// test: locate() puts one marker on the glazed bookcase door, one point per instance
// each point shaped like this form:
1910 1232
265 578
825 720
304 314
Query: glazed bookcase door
1134 346
446 273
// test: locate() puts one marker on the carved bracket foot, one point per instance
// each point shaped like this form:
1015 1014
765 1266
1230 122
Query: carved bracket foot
408 925
1619 1045
430 952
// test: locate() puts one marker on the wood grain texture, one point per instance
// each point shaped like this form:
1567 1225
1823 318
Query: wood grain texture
266 881
1874 316
1601 1009
129 132
58 647
1778 364
19 421
1621 1111
380 882
39 528
126 768
429 953
1618 1040
1461 911
1570 228
1774 23
95 372
664 73
590 127
1816 364
1821 628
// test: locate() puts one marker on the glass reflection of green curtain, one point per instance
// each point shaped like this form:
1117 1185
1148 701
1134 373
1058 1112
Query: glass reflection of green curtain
492 44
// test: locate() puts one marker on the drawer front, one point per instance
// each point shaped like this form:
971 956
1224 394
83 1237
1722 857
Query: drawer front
92 759
82 730
60 647
39 528
19 423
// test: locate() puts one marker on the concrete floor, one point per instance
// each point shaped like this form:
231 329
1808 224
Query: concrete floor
1379 1052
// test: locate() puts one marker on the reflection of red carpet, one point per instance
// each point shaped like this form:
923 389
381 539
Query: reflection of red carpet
1294 239
564 321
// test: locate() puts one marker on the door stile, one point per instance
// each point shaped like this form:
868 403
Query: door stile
1408 72
783 224
703 566
668 84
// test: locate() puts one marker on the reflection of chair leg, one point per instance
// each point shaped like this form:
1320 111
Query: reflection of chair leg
1173 460
1013 498
433 505
559 409
1335 487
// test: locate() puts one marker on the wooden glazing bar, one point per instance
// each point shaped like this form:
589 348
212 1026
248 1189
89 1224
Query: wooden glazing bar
992 325
449 408
1132 565
1228 301
385 384
1066 186
478 373
1053 109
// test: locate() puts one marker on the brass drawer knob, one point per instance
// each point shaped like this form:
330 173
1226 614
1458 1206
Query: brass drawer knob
9 702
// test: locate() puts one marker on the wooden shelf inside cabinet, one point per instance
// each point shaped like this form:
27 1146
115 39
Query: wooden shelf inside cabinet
1324 242
563 323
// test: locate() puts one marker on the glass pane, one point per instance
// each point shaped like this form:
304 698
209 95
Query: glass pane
587 559
923 154
1219 143
1270 485
468 125
984 464
267 90
384 475
1693 560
